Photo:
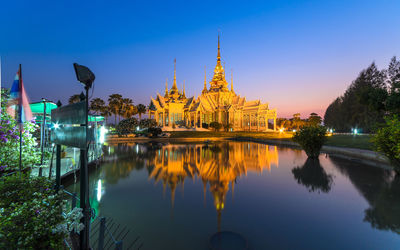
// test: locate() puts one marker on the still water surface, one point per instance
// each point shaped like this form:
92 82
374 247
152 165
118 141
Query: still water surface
176 196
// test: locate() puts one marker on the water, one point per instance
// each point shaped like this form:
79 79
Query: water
177 196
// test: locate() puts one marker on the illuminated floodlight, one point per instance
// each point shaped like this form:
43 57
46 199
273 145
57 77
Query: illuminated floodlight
331 130
294 130
281 130
56 126
355 131
137 128
103 132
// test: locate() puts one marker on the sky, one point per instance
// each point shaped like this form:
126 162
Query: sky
296 55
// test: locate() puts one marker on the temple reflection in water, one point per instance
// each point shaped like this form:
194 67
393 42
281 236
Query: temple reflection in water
217 165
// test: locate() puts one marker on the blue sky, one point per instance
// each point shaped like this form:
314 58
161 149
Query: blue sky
296 55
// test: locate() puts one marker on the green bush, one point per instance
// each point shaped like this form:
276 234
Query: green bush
32 216
215 125
311 139
147 123
126 126
9 141
387 140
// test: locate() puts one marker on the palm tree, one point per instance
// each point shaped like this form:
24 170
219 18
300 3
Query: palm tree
115 104
128 109
97 105
106 112
74 99
141 109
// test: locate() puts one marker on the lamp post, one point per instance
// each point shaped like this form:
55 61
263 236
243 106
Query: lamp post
86 77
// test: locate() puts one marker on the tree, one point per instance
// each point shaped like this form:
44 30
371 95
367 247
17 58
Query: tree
106 112
393 80
126 126
363 105
297 122
74 99
216 125
387 141
128 109
115 104
97 105
311 139
141 109
314 119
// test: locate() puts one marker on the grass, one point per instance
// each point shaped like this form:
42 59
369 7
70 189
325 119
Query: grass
349 141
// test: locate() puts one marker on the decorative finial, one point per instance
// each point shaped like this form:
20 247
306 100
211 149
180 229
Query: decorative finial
166 88
183 92
205 80
174 87
219 53
232 80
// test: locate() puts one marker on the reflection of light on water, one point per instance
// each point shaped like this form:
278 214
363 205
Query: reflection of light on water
99 190
137 148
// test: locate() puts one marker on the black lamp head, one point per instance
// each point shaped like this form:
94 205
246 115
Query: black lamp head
84 75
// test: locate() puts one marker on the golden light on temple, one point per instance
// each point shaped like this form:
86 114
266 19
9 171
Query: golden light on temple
217 103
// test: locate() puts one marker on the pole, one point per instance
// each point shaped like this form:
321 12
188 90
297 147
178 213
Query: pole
58 166
42 136
84 183
20 120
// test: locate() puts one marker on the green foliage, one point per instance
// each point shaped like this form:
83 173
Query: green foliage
32 216
9 142
141 109
215 125
127 126
115 105
387 140
314 120
74 98
147 123
372 95
311 139
97 105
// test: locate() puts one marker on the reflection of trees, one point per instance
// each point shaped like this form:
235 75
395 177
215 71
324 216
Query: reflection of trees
384 212
381 189
313 176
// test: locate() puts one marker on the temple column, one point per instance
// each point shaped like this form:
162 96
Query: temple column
258 121
266 123
201 120
274 123
195 119
163 120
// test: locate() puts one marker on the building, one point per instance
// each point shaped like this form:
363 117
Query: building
217 103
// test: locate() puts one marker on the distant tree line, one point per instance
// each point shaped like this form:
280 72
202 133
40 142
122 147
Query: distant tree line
117 106
373 95
296 122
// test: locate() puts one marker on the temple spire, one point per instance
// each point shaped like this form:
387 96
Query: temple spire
183 91
231 80
174 87
166 88
205 81
219 53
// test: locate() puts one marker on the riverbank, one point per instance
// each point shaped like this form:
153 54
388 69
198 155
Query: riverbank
354 147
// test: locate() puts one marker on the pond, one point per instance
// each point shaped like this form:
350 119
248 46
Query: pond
177 196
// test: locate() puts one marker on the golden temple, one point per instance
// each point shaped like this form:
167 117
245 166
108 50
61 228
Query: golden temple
215 104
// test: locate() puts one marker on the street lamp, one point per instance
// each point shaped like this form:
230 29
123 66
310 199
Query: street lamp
86 77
